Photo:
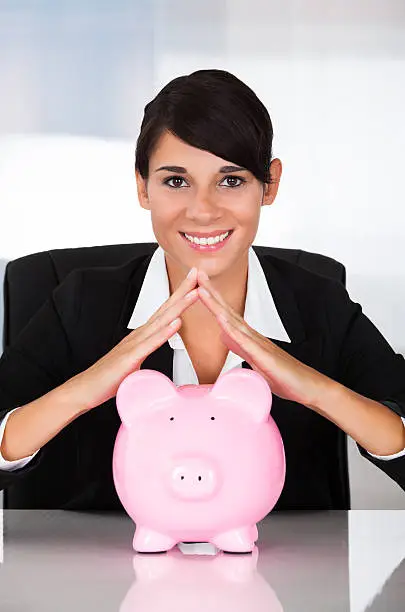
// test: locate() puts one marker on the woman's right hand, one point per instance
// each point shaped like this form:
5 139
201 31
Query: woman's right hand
100 382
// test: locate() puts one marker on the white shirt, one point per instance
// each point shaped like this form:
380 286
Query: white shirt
260 313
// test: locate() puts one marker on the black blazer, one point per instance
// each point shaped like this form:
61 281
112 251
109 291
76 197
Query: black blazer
88 315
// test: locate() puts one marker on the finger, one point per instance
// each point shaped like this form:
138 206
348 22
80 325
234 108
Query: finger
166 317
238 334
204 282
245 334
217 308
155 340
185 286
176 308
184 290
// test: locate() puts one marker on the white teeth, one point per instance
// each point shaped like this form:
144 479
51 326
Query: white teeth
205 241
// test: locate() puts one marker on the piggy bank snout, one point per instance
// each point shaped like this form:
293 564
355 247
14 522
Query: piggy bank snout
194 478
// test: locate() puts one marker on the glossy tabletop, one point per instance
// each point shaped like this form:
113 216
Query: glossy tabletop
327 561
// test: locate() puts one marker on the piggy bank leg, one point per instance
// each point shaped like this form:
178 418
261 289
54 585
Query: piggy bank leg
240 540
148 541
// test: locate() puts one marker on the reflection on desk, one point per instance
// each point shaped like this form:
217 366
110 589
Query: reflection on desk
60 560
174 581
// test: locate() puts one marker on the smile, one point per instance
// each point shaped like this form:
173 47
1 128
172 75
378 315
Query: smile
213 243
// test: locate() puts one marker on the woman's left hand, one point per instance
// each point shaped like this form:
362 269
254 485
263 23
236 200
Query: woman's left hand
288 377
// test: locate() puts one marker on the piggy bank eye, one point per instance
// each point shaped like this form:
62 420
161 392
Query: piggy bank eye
172 418
212 418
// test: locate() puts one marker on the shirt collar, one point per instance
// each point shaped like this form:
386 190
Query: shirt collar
260 310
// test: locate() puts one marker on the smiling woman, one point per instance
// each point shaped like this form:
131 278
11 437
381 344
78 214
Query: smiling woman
205 210
202 302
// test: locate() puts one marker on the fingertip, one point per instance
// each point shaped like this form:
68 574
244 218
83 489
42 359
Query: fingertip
191 294
192 273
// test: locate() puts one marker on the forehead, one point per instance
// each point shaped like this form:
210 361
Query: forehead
171 150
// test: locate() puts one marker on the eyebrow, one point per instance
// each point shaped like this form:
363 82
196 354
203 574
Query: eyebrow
182 170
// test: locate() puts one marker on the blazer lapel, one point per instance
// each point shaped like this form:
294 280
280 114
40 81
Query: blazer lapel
301 347
162 358
284 299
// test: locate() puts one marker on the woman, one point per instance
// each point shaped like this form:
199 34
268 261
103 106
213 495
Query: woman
204 170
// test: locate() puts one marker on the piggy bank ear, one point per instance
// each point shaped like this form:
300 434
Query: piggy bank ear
246 388
143 391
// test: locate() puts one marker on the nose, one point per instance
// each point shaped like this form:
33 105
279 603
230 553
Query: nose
193 478
203 210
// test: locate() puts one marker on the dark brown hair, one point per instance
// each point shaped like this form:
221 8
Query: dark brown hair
212 110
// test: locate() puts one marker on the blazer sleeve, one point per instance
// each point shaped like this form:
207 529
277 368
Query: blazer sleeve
367 364
39 360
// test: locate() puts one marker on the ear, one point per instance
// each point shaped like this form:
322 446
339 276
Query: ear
144 391
142 189
270 189
248 390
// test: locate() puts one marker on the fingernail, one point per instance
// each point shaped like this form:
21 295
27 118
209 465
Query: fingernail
191 272
203 291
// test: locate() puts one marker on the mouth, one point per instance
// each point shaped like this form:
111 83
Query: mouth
208 247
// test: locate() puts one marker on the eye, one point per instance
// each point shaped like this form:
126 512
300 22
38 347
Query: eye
172 418
226 178
237 178
173 178
212 418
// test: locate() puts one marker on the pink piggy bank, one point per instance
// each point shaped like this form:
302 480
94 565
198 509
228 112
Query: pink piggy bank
197 463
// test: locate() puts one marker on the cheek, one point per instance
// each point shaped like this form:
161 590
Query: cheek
163 208
163 217
248 220
247 210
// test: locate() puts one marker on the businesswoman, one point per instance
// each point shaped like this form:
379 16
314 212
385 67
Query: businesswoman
201 302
